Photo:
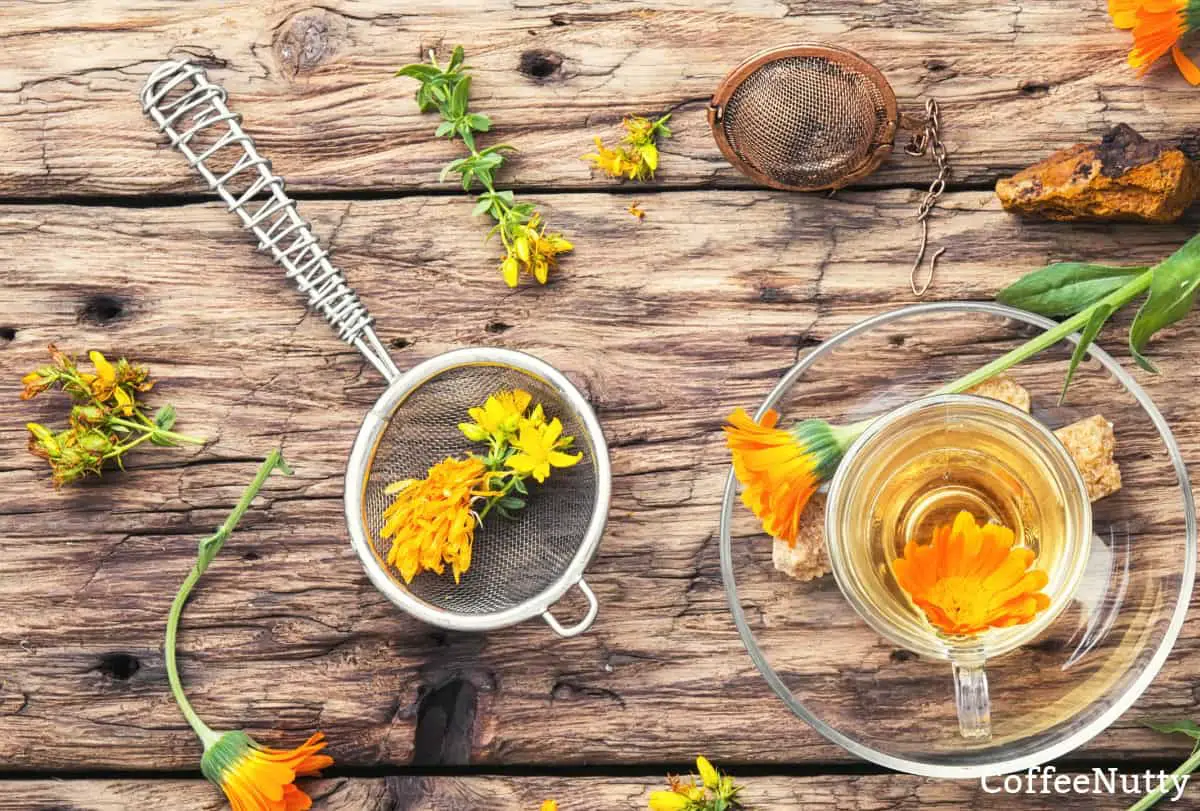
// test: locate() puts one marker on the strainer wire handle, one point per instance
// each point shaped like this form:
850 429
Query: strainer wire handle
583 624
280 229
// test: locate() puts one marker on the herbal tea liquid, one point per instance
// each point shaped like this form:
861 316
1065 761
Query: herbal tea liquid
916 475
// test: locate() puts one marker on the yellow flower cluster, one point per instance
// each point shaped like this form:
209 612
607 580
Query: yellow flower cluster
530 249
432 521
714 791
636 156
106 419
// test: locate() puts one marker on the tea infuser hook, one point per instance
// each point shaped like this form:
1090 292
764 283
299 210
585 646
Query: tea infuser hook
928 142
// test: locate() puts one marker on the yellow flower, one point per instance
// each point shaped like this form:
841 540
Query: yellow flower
1158 26
612 162
104 380
499 416
258 778
549 805
432 521
539 449
781 469
708 775
969 578
669 801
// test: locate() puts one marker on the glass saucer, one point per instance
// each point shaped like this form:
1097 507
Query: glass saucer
890 706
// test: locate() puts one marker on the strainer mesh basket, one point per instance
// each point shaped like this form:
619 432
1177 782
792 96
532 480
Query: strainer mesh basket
512 560
805 118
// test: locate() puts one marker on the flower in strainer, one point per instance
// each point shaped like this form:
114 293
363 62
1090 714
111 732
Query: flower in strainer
432 521
970 578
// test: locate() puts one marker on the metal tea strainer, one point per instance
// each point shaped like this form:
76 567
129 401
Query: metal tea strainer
520 568
815 117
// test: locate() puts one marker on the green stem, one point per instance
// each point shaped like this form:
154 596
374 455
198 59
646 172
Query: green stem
1117 299
504 491
155 431
209 547
1190 765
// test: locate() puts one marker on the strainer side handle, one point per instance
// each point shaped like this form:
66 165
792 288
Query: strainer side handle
260 201
583 624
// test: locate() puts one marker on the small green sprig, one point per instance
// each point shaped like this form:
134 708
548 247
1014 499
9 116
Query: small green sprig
1192 730
528 247
1091 294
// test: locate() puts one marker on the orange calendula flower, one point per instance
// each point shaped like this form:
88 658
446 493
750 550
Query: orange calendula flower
258 778
970 578
1158 26
780 469
432 521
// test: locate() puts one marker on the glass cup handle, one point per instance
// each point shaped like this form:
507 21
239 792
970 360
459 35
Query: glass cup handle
971 697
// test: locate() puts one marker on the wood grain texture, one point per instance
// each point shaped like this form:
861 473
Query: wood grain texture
314 82
845 793
666 325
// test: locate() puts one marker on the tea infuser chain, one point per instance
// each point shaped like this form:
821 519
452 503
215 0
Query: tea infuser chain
928 142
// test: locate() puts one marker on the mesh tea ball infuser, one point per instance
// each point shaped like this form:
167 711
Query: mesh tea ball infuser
520 568
815 117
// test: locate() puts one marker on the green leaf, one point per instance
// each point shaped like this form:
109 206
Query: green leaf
419 71
512 503
479 122
483 206
1086 337
458 100
1189 728
1172 295
164 418
456 58
445 128
464 132
1066 288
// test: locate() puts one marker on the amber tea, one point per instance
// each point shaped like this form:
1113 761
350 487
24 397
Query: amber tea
919 468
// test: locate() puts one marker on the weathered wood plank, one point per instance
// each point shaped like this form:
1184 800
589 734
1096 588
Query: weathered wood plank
852 793
711 298
314 83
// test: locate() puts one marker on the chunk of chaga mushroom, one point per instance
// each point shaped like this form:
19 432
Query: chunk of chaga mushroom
807 559
1091 443
1006 390
1121 177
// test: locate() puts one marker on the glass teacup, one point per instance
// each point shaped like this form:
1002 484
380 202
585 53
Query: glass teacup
912 471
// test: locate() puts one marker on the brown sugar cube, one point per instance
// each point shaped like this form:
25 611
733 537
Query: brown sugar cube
1004 389
807 559
1091 443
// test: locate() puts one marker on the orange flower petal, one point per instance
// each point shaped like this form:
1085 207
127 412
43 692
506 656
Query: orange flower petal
971 578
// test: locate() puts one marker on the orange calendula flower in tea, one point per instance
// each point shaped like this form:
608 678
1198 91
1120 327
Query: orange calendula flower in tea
432 521
780 468
1158 26
970 578
258 778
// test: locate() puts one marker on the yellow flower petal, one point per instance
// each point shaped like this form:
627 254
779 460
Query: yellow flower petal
708 775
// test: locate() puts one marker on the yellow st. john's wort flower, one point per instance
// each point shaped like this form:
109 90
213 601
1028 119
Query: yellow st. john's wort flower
539 448
549 805
715 791
258 778
970 578
636 157
498 418
1158 26
432 521
780 469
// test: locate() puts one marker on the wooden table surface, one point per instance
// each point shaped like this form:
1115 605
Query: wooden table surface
108 241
